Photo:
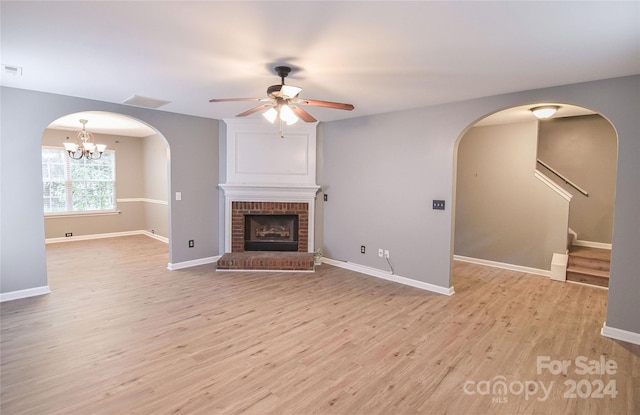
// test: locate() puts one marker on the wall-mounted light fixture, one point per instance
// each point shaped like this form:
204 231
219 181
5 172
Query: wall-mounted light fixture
545 111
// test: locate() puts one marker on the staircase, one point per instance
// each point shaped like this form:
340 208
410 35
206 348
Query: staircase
589 265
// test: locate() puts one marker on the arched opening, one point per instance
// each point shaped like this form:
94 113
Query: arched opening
529 194
124 192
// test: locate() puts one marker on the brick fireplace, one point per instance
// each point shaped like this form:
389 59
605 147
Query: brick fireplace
241 200
238 258
267 175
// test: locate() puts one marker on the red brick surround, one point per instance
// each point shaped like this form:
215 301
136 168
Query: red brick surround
239 209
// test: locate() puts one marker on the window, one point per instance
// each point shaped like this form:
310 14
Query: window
78 185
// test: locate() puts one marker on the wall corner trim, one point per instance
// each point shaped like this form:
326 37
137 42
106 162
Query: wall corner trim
192 263
29 292
385 275
619 334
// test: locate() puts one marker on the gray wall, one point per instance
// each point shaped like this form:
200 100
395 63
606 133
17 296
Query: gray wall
381 173
26 114
503 212
388 153
585 150
156 185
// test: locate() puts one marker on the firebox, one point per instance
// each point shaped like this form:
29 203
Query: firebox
271 233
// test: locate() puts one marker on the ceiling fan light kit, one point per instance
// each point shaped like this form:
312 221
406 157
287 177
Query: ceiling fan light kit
283 103
271 114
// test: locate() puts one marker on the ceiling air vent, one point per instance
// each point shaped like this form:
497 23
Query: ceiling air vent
146 102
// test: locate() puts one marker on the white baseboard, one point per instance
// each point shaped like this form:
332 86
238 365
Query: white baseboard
591 244
106 235
156 236
29 292
503 265
192 263
597 287
619 334
385 275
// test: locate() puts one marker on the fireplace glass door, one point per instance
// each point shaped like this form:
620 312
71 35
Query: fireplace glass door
271 233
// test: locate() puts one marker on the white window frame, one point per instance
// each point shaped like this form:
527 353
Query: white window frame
69 195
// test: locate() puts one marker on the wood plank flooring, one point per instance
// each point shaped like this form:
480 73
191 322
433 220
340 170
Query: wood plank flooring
120 334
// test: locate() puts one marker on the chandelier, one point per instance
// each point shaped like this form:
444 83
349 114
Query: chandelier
84 145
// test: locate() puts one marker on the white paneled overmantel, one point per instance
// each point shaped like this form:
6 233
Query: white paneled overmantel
261 166
256 154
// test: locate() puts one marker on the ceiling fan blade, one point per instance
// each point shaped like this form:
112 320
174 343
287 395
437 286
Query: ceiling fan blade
304 115
254 109
239 99
326 104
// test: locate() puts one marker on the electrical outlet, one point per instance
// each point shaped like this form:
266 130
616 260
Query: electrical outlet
380 253
438 204
68 234
386 253
362 249
191 243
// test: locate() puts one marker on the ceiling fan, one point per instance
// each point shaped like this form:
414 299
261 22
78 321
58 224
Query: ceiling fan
283 102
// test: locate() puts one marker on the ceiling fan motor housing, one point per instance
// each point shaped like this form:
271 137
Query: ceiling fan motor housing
283 71
274 91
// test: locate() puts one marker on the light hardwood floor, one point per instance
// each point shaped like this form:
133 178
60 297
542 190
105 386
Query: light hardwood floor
120 334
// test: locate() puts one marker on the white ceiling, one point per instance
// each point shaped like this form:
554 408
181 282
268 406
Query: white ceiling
378 56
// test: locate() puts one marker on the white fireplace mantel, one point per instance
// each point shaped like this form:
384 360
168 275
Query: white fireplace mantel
273 193
269 193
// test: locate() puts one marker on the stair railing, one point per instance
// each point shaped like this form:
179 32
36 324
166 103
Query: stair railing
566 180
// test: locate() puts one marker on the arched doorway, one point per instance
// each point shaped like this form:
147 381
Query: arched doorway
519 188
132 180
